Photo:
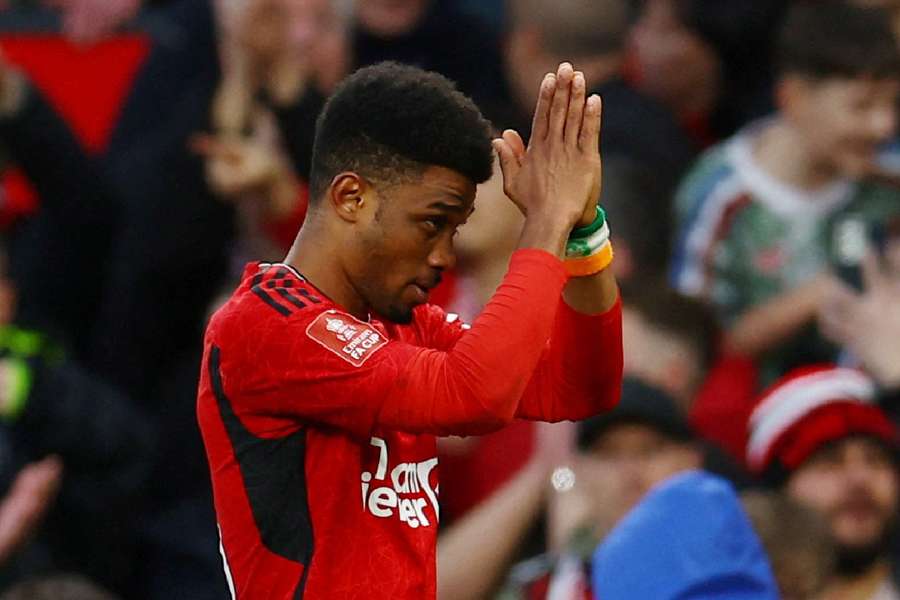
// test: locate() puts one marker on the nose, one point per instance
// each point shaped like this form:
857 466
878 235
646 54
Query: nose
442 255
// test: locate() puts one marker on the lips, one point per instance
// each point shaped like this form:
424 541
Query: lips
420 292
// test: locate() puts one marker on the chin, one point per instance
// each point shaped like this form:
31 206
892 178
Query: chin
401 315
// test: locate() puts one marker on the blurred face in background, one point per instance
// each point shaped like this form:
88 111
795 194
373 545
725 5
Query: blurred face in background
661 358
675 65
853 483
842 121
612 474
390 18
270 27
632 458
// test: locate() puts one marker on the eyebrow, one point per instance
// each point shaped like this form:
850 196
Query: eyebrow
447 206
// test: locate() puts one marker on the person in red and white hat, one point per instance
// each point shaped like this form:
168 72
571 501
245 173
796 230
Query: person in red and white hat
820 435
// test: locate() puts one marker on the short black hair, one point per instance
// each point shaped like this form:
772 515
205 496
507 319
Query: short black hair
834 38
389 122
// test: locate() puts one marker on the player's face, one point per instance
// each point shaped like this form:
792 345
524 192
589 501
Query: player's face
408 244
844 121
854 485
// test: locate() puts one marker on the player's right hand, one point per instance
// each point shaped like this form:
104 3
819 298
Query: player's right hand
557 177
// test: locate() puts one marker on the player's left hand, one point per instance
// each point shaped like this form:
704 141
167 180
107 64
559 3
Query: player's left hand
563 153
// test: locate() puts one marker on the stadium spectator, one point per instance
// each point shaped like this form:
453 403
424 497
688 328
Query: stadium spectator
671 339
757 212
796 540
620 456
635 126
688 538
709 61
867 323
26 502
122 259
320 44
640 204
818 435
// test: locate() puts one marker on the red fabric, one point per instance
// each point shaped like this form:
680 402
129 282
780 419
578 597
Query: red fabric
489 461
366 422
19 196
724 403
87 84
828 423
470 477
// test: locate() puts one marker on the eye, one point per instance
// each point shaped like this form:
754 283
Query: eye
433 225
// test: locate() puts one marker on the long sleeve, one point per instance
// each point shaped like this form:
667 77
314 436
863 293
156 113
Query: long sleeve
580 373
295 369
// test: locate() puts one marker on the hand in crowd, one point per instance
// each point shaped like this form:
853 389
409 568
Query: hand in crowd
28 500
279 46
86 21
559 173
239 167
868 323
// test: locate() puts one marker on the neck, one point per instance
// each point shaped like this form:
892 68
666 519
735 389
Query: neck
317 259
783 153
862 586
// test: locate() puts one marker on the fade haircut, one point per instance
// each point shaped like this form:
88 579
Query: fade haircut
836 39
388 122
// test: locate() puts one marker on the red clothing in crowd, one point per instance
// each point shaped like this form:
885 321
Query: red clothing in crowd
319 427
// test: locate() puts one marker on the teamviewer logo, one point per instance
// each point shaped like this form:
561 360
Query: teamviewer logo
407 494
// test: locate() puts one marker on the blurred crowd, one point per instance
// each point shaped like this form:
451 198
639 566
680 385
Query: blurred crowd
751 177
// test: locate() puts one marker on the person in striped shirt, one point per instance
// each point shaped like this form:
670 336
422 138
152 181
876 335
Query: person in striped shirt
757 214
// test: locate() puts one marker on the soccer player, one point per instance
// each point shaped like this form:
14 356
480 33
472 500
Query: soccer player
325 378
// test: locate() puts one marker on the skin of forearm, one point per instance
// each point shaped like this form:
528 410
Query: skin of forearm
593 294
547 233
474 553
768 325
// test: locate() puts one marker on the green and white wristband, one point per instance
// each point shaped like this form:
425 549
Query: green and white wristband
588 240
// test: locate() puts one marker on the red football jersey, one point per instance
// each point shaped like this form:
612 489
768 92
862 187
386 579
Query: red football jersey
319 428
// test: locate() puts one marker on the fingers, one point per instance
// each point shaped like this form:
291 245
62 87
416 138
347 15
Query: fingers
210 146
834 319
560 107
512 137
27 500
540 122
589 139
509 164
576 110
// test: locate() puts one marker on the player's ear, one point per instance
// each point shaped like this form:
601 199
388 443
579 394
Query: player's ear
347 195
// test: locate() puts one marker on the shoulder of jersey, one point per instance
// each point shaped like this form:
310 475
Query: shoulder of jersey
283 291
